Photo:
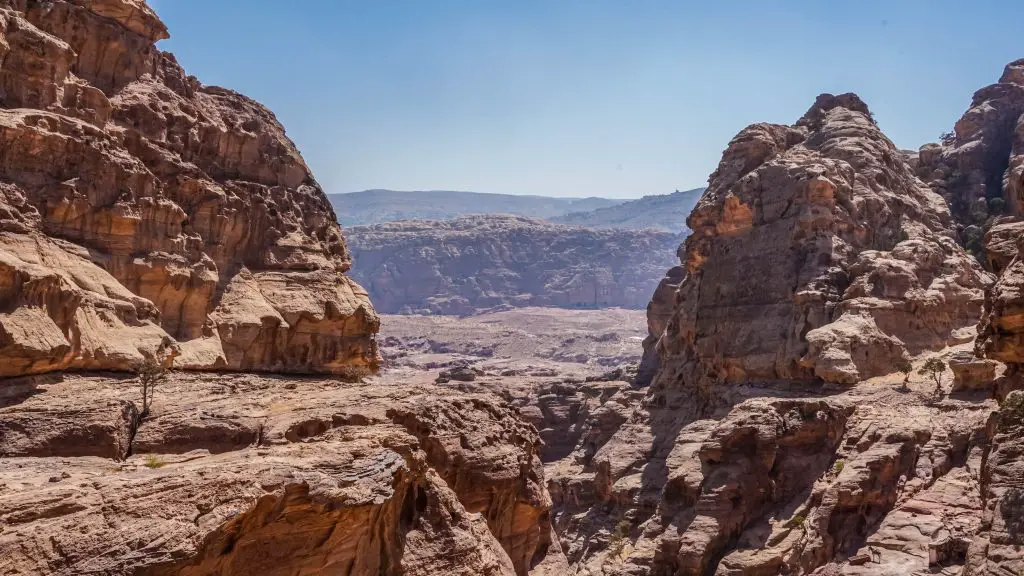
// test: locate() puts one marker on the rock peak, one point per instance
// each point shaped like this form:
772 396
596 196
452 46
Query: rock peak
1013 73
827 102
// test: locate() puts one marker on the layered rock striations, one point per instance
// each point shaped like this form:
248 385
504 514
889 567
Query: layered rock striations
979 166
463 265
816 254
245 474
139 206
777 436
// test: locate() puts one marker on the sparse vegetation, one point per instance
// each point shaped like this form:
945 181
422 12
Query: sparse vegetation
839 465
934 368
153 461
947 138
152 372
906 368
796 521
996 206
617 541
972 237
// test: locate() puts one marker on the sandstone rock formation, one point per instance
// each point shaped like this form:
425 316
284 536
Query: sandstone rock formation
776 437
982 160
138 205
462 265
245 474
140 209
816 254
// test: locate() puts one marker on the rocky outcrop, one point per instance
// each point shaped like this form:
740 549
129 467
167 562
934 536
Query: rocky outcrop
659 312
269 478
816 254
463 265
776 436
979 167
139 206
997 548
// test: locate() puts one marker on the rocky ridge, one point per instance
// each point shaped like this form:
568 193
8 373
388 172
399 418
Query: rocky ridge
139 207
777 436
477 262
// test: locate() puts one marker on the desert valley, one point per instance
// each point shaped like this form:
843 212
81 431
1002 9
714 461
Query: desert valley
212 367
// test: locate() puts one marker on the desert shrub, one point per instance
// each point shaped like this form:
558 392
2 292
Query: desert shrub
796 521
154 461
150 374
996 205
933 367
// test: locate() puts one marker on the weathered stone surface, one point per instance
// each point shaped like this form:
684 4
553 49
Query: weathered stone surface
816 253
137 204
783 485
972 373
998 547
983 158
354 479
659 313
462 265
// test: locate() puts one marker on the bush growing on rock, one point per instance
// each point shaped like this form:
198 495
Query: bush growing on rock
906 368
152 372
934 368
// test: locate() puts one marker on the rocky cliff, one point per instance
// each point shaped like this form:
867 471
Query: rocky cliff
245 474
139 207
462 265
777 436
816 254
143 211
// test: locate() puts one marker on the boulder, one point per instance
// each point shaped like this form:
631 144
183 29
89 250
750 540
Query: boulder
971 373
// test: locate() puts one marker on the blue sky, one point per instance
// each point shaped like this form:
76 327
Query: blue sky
615 98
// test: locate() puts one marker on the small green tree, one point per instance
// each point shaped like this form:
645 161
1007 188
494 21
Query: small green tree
152 372
934 367
906 368
996 205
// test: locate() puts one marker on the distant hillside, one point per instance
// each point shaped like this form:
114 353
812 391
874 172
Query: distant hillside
475 262
663 212
375 206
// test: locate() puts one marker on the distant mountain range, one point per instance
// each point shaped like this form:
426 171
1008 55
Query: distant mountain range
665 212
376 206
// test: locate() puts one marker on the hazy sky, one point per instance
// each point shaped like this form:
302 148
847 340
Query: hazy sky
612 98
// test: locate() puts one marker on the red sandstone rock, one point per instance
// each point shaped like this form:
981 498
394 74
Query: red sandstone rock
137 204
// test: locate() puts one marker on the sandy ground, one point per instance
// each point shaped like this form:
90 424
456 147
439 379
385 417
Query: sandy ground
529 341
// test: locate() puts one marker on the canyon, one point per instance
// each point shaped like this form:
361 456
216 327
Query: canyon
474 263
826 380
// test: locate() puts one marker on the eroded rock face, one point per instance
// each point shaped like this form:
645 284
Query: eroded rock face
997 548
817 254
463 265
245 474
983 158
137 204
